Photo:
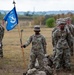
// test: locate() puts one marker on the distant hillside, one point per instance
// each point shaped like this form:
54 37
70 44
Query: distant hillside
40 12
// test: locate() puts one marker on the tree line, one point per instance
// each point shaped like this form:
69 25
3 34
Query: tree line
48 20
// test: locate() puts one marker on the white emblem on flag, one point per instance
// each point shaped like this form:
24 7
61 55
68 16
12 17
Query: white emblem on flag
12 19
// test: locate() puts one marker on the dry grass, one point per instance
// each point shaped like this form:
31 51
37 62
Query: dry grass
12 63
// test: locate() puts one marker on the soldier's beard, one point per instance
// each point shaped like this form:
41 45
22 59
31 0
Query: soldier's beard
62 27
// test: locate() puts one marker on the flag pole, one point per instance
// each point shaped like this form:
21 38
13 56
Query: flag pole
20 35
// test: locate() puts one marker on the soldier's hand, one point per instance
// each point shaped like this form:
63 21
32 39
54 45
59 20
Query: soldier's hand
23 46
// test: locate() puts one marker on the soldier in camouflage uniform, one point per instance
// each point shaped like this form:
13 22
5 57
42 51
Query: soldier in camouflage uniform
57 22
70 28
38 48
60 37
53 40
1 37
55 28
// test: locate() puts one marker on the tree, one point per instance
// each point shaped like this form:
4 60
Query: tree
50 22
39 20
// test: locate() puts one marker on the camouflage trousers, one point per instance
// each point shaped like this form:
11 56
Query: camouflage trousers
1 50
36 55
62 58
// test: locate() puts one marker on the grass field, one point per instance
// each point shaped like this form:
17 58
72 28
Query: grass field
12 63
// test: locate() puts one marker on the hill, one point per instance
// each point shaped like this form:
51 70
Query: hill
39 12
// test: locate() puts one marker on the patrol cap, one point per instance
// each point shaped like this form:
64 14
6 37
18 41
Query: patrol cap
62 21
67 18
36 28
58 21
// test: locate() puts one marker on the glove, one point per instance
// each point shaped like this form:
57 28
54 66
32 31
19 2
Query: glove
23 46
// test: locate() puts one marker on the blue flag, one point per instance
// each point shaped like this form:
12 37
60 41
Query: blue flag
12 19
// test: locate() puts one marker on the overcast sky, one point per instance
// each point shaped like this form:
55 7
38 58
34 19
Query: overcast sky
37 5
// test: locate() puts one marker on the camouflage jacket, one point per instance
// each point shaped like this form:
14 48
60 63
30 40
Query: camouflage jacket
53 35
61 38
1 33
71 28
38 42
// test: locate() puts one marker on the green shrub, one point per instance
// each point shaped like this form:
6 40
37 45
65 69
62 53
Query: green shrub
50 22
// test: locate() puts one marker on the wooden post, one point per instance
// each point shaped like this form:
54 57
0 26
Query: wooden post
20 36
